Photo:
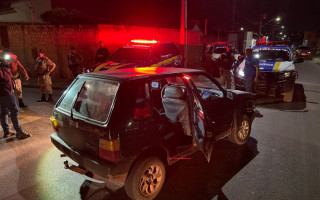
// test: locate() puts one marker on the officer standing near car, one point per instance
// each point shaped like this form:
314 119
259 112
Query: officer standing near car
16 68
44 67
225 61
102 53
74 62
251 70
7 98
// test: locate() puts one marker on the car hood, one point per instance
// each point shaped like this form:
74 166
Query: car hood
273 66
110 65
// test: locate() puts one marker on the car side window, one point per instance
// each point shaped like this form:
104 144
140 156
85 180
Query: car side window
95 100
143 105
206 87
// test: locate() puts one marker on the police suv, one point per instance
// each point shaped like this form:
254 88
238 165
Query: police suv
141 53
277 72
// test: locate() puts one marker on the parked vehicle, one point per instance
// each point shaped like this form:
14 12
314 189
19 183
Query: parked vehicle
128 125
141 53
277 73
304 52
213 53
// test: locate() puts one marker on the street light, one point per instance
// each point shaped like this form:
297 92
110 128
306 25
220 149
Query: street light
261 25
241 29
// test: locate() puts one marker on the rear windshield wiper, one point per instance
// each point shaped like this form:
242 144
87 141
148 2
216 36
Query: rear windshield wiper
78 94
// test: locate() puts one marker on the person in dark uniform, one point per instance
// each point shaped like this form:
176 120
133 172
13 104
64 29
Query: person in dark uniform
251 70
8 100
225 61
74 62
102 53
44 67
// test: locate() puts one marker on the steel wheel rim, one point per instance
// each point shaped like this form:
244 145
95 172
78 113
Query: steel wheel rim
150 180
244 130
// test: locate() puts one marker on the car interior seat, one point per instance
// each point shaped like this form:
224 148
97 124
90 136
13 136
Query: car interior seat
176 106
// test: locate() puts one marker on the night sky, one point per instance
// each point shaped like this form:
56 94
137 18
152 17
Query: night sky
296 15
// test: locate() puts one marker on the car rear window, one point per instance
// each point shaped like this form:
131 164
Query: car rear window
91 99
95 99
70 96
304 48
220 50
130 55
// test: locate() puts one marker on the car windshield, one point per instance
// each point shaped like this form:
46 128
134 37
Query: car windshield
272 55
220 50
304 48
130 55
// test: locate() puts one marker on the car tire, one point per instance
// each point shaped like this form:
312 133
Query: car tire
241 131
288 96
153 171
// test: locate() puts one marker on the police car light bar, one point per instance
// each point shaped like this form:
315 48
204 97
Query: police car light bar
272 43
144 41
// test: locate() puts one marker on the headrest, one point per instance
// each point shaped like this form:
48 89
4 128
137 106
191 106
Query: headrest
174 92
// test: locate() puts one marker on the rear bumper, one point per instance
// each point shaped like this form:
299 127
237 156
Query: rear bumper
110 171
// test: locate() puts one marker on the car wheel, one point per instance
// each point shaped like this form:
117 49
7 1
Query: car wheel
288 96
145 179
241 131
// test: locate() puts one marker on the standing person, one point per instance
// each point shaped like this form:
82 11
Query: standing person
16 68
251 70
8 100
74 62
102 53
225 61
44 67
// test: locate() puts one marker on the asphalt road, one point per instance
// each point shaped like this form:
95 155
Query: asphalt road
281 160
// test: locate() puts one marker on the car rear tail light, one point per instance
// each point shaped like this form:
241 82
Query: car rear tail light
109 149
141 112
55 124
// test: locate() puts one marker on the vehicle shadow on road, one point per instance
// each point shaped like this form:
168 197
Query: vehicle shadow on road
298 103
191 179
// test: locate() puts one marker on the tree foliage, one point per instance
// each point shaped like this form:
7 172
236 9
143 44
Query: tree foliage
64 16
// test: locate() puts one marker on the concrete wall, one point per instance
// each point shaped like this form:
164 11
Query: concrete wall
56 41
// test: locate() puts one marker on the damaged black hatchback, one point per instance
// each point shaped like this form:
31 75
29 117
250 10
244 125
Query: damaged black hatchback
129 125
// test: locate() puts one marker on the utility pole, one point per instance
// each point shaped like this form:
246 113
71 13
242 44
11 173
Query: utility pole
205 27
183 31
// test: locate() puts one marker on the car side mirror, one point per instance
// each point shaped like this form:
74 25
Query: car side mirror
298 60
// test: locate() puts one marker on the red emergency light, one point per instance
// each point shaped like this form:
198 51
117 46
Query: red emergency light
138 41
222 43
272 43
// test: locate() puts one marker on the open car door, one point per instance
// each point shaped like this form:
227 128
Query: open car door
201 134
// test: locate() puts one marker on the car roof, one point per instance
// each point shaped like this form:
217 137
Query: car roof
144 46
139 73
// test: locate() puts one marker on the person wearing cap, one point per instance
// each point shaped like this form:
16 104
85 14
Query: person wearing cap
225 61
102 53
16 67
7 98
44 67
74 62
